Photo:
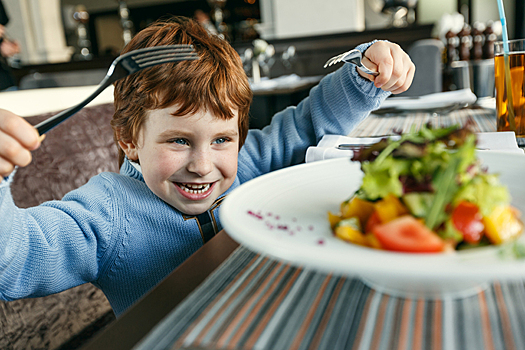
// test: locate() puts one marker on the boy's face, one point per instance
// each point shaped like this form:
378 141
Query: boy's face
188 161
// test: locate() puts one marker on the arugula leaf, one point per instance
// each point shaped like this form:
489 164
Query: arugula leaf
446 186
446 181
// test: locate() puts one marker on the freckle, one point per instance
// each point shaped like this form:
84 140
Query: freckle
320 242
269 214
311 227
277 217
299 228
291 233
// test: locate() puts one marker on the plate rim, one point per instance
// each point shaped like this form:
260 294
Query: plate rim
274 249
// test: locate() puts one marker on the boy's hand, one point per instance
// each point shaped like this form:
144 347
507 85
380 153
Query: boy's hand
396 70
17 139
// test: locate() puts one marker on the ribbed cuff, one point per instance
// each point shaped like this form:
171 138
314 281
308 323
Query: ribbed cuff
8 179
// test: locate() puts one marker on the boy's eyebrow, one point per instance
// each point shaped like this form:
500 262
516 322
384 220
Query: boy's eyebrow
181 133
173 132
230 132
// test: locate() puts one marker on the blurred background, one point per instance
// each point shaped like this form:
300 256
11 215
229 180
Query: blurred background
283 43
72 35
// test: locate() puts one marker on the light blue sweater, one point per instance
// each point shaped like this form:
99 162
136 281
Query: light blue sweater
115 233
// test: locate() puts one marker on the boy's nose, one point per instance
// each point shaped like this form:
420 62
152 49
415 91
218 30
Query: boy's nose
200 163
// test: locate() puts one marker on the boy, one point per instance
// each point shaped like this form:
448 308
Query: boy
180 128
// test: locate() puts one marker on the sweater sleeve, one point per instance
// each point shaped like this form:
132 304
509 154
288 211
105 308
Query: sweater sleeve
335 106
56 245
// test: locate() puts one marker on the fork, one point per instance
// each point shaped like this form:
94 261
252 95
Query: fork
124 65
353 56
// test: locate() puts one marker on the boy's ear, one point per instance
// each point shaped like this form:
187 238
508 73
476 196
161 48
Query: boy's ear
129 148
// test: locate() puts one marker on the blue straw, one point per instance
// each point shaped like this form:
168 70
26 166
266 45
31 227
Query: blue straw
504 27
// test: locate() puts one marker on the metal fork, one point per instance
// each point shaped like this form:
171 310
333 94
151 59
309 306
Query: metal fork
353 56
124 65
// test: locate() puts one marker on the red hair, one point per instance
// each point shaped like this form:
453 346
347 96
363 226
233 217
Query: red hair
215 82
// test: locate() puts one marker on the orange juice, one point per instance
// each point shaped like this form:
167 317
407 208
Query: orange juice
503 109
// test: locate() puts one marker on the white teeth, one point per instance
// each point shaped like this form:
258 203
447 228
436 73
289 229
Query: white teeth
194 188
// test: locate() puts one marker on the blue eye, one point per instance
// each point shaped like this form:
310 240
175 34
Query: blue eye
179 141
221 140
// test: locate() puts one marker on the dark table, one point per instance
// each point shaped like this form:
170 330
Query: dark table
136 322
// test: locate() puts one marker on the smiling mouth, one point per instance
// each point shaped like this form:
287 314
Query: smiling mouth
194 188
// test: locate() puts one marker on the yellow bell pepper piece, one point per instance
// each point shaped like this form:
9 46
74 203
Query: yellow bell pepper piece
502 225
390 208
350 235
359 208
372 241
350 231
333 219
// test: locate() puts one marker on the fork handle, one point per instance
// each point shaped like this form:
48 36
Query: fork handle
367 70
50 123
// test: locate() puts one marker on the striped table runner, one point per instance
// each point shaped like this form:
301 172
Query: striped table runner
482 120
254 302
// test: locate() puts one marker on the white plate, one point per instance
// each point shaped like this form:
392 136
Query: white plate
284 215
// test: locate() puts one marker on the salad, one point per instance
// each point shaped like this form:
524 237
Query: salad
426 192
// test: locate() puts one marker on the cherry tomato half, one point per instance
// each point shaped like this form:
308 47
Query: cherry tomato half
468 220
407 234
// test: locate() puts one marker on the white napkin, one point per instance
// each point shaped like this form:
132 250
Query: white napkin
327 147
503 141
437 100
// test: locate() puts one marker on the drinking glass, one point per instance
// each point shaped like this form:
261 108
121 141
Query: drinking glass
509 71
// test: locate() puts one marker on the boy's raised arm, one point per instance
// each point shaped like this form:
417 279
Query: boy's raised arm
17 139
339 103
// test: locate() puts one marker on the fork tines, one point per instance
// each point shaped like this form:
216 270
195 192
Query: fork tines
334 60
160 50
164 55
164 58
